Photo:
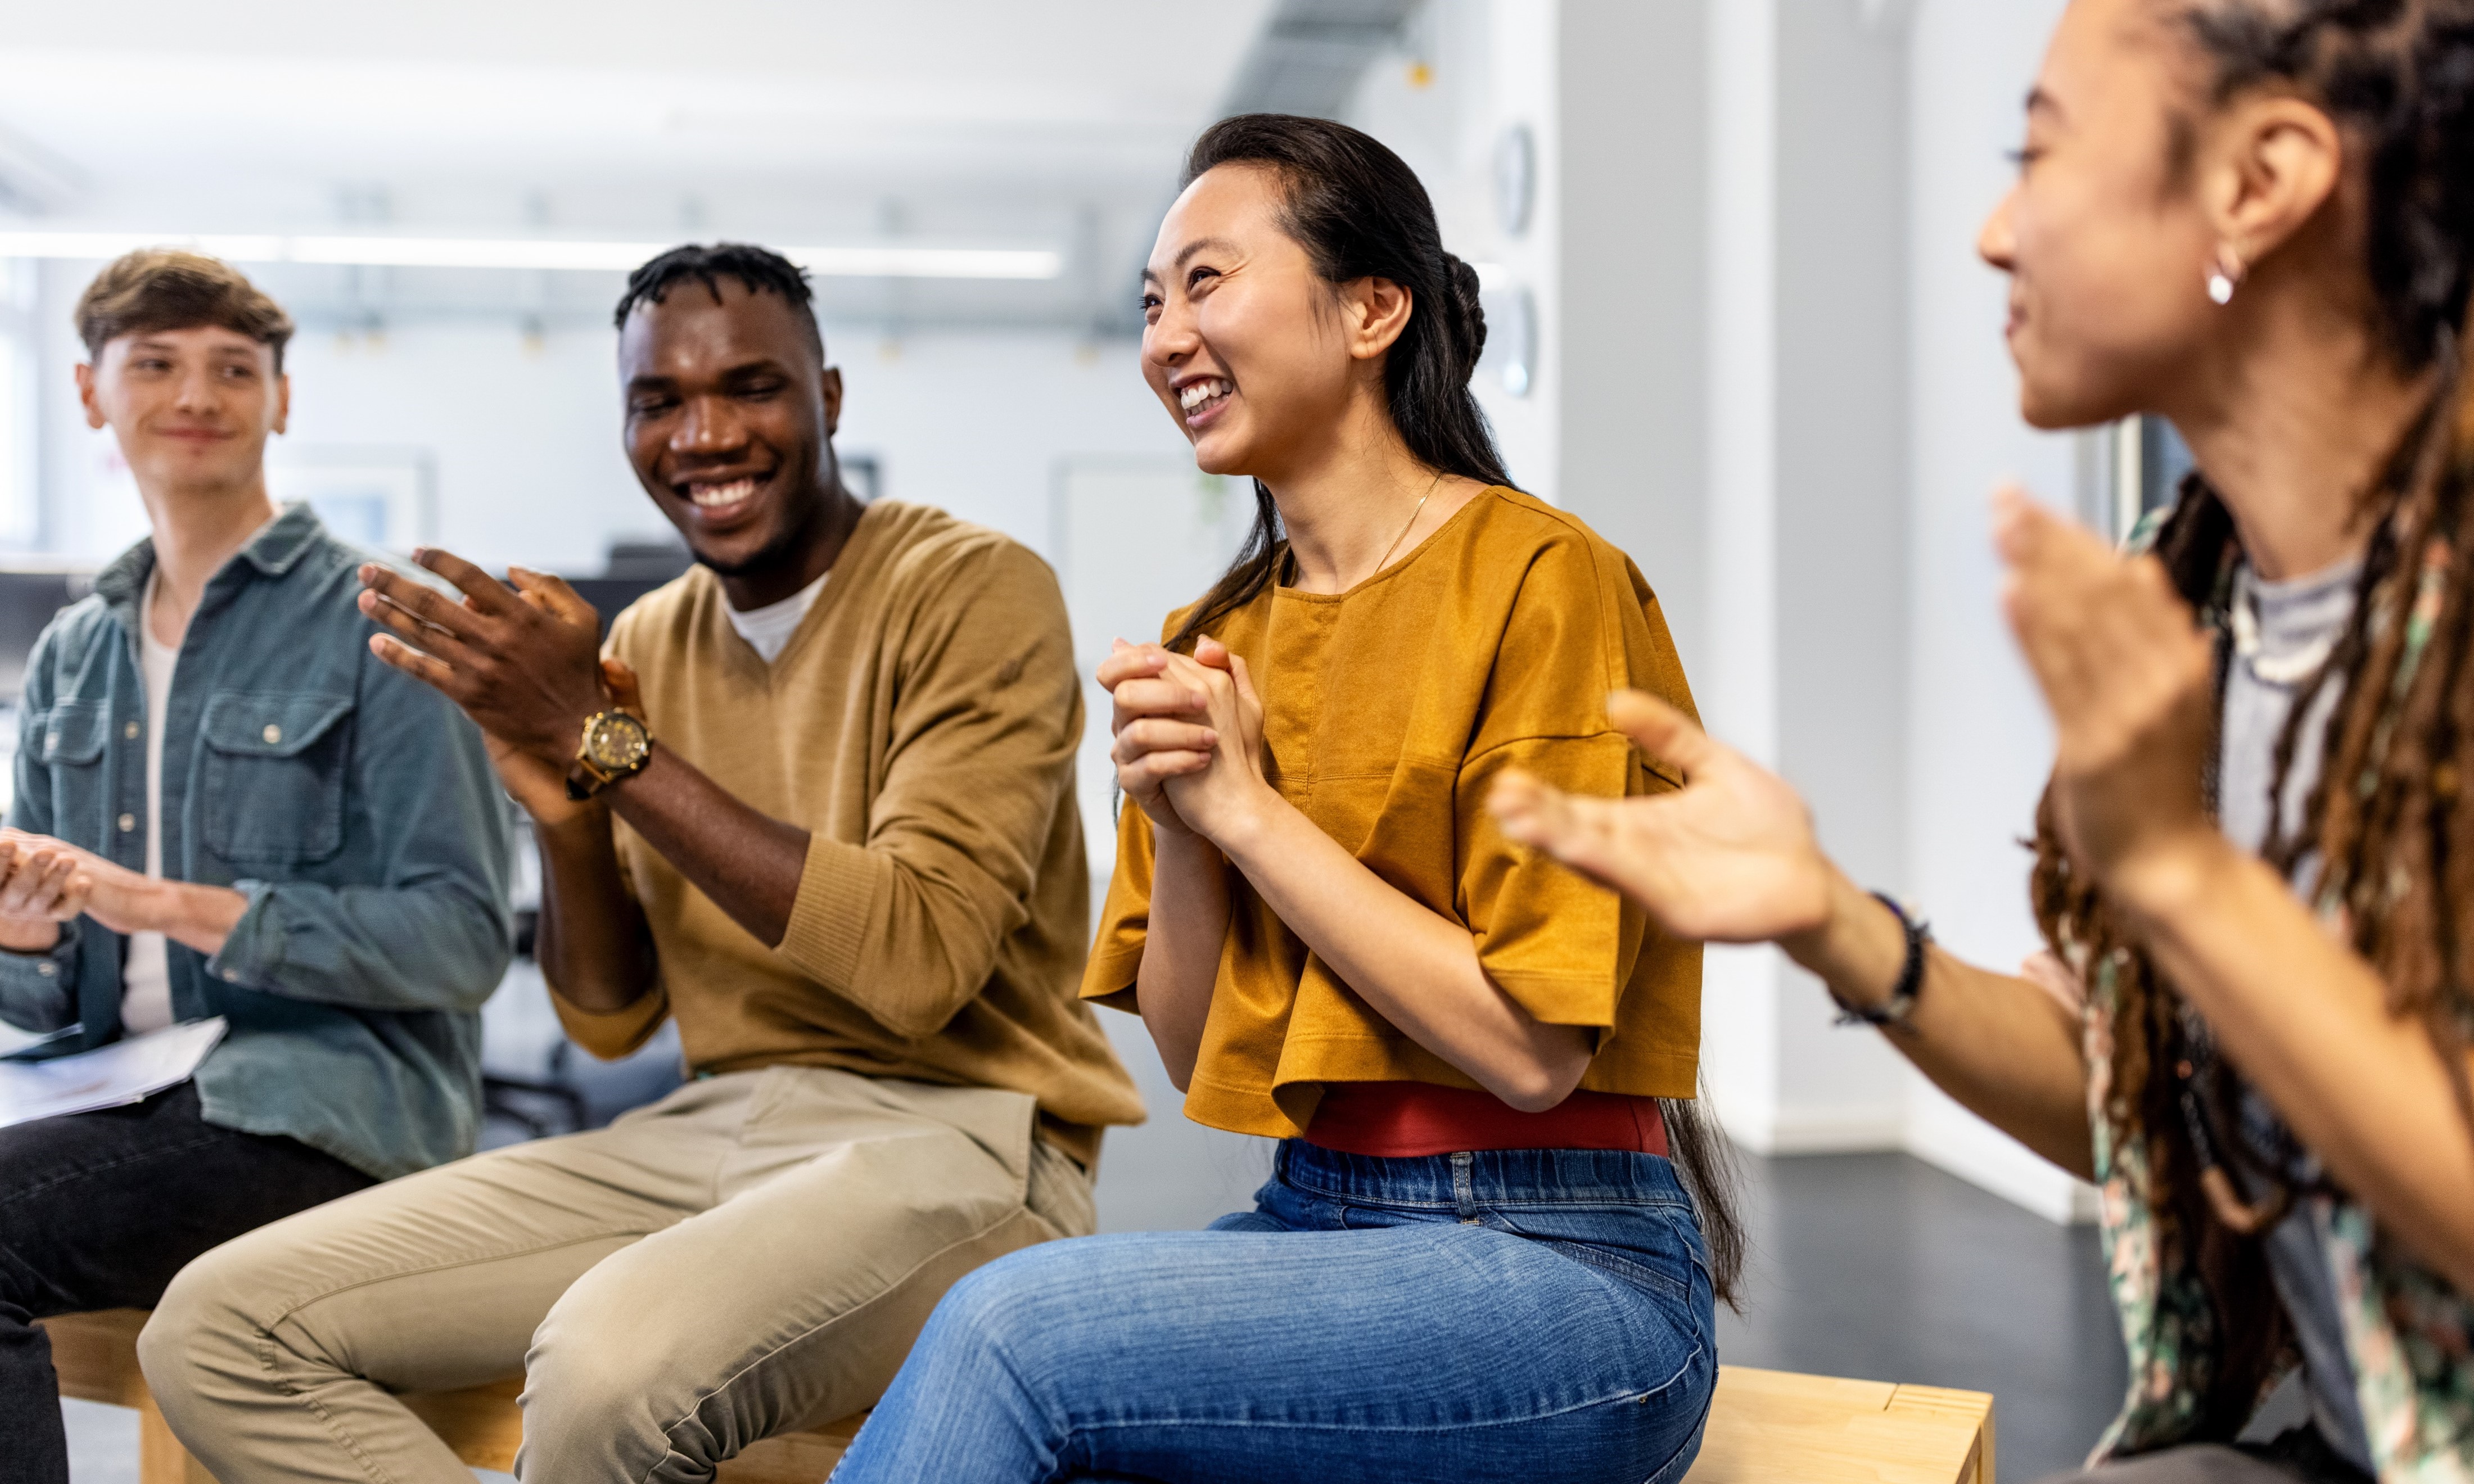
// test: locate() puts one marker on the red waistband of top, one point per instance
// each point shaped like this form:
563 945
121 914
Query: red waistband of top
1409 1119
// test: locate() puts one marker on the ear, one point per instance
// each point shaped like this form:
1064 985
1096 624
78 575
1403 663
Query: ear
831 387
1374 313
2271 163
282 401
86 397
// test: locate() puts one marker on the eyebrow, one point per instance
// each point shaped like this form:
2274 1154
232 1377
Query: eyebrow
1186 253
248 352
760 365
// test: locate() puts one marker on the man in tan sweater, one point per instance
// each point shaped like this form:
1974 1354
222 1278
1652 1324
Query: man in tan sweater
816 804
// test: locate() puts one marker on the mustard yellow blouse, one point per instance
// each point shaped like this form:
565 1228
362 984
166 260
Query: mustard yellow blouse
1388 711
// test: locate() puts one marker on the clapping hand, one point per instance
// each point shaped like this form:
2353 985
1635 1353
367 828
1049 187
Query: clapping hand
522 661
2129 677
1729 857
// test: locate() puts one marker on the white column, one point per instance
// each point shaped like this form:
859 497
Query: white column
1978 742
1806 517
1737 679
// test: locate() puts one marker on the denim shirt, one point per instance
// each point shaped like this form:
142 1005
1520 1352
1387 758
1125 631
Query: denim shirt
353 806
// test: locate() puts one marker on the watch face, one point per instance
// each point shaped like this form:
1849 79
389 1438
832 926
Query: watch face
616 742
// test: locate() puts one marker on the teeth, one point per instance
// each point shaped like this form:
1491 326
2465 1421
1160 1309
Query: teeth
708 496
1194 394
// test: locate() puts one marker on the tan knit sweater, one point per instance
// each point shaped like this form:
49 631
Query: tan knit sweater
921 724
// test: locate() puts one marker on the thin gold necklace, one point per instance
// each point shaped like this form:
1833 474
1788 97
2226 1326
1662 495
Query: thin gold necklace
1411 526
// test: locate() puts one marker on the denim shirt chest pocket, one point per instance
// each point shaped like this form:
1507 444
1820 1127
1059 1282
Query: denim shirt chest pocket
73 736
274 776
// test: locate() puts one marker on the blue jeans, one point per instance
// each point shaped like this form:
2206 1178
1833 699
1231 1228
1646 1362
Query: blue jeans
1519 1315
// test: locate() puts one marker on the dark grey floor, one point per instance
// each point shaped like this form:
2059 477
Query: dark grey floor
1881 1266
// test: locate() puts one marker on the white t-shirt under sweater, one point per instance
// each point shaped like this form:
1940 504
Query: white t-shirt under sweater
146 974
769 628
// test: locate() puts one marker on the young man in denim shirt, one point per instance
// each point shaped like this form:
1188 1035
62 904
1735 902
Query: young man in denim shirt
225 807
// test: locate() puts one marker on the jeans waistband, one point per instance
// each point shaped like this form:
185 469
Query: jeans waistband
1485 1177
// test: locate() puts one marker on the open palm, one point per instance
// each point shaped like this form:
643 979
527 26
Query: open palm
1730 857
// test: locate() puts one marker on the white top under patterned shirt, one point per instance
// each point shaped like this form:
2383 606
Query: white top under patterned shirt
2283 634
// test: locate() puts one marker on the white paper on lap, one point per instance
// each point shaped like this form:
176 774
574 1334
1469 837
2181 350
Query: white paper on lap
113 1076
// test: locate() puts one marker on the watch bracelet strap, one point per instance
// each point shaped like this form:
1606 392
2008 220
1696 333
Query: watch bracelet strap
1902 1003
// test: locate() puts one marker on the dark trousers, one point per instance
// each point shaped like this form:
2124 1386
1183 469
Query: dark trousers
99 1210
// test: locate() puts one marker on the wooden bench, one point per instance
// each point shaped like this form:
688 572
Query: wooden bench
96 1357
1765 1427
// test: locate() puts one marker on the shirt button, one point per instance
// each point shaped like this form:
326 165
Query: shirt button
128 823
47 968
272 734
129 731
231 976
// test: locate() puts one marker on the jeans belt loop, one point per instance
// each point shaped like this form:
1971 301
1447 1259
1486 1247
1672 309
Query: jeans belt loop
1464 1197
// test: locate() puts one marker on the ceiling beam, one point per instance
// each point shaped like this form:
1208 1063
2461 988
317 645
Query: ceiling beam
1311 54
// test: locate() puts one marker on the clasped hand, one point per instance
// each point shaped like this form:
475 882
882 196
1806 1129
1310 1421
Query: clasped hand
45 882
1188 733
2129 677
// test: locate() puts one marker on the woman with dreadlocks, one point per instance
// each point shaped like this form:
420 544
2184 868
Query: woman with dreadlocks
2255 860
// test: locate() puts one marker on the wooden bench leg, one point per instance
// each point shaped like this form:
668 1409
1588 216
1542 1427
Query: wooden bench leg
160 1457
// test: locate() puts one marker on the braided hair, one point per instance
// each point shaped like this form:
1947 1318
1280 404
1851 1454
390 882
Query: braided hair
2386 818
758 270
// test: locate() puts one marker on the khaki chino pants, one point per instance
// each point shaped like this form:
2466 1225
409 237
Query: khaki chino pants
753 1253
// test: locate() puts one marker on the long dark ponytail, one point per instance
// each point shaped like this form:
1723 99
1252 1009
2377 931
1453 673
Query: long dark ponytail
1360 212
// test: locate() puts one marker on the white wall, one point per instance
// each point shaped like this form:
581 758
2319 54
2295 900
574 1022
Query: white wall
1490 65
1806 517
1978 744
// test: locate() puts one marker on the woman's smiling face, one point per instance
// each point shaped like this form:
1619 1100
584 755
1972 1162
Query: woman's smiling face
1240 340
2104 237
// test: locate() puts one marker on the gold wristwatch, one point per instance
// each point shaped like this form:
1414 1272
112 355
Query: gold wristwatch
615 745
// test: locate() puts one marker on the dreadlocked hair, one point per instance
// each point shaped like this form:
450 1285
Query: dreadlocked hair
2384 818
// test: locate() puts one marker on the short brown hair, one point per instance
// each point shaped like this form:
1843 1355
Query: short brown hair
168 289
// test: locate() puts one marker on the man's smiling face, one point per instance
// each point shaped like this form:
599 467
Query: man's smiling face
192 407
729 412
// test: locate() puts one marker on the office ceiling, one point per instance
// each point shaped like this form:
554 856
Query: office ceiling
966 122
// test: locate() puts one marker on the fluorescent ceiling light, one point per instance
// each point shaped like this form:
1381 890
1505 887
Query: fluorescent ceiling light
886 261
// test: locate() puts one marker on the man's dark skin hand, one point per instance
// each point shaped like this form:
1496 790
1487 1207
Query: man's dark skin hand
730 414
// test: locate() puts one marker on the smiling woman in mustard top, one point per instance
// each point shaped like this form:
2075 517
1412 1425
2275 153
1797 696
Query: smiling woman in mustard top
1387 710
1475 1258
